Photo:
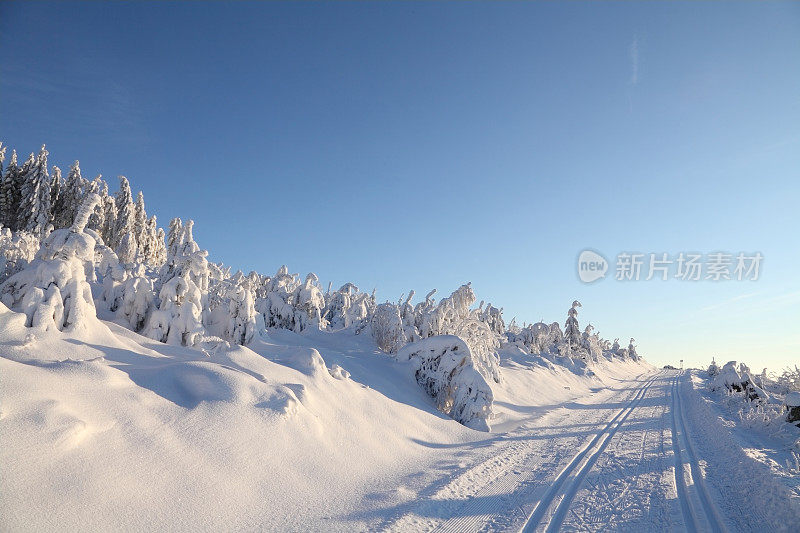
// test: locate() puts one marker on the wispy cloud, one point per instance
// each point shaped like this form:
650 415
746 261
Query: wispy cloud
73 98
729 301
633 53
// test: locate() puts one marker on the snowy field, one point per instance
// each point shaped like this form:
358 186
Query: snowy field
109 430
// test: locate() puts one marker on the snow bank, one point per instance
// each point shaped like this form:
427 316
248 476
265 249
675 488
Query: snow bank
445 369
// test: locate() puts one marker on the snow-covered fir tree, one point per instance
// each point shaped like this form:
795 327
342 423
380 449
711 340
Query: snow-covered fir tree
109 209
123 240
56 183
572 332
33 214
70 197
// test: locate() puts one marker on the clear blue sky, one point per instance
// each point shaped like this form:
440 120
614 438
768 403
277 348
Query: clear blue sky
417 145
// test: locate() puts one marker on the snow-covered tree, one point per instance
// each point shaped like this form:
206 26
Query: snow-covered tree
70 198
309 303
387 328
56 184
109 216
182 290
124 238
242 322
159 248
276 304
140 225
572 332
97 218
53 291
34 209
632 350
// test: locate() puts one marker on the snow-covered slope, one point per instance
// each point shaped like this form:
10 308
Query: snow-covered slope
106 429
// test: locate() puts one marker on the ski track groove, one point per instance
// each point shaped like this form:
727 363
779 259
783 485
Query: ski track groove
710 510
506 494
598 444
689 515
519 484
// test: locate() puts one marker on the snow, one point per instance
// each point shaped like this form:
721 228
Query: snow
792 399
142 385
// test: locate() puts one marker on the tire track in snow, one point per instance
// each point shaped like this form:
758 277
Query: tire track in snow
710 510
580 467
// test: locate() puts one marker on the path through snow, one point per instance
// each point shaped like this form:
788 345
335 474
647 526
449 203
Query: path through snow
638 457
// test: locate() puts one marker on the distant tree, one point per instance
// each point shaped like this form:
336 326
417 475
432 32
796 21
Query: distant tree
10 188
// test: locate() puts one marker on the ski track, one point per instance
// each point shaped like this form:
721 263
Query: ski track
515 470
566 485
602 467
697 489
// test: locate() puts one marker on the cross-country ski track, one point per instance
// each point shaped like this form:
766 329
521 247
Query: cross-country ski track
646 455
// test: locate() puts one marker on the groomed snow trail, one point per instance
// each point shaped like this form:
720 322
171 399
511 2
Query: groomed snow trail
625 459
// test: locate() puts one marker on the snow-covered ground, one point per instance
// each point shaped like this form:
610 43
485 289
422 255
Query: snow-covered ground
105 429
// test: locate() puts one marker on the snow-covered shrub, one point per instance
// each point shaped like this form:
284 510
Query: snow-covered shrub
453 316
493 317
137 299
409 318
713 369
309 303
788 380
178 319
592 343
533 338
347 307
632 350
445 368
387 328
231 312
183 281
53 291
733 377
276 305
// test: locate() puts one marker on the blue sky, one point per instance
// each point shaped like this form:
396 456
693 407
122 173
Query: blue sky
411 146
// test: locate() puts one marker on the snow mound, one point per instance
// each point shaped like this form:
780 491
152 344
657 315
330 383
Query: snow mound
792 399
445 369
736 377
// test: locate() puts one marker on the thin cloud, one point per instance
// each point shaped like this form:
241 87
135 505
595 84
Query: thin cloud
726 303
633 53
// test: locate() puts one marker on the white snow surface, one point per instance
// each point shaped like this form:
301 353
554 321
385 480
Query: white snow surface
793 399
102 429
